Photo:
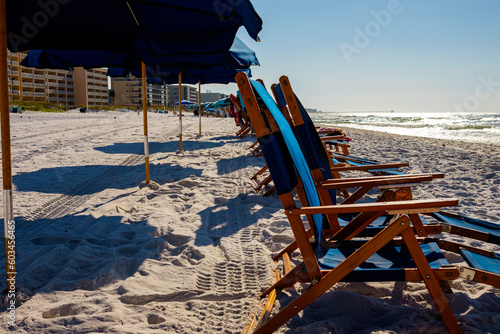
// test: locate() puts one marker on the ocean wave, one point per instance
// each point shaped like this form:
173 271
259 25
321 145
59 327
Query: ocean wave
464 126
467 127
369 119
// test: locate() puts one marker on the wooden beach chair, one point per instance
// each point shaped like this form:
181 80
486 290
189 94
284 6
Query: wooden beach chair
326 262
451 223
483 265
240 111
394 187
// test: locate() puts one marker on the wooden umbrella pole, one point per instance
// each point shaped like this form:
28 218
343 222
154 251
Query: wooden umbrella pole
180 111
199 107
8 221
145 120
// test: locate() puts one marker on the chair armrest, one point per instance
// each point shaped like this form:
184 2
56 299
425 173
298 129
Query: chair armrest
385 177
389 207
333 138
371 167
374 182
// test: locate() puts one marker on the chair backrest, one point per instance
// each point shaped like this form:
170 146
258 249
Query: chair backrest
270 147
307 135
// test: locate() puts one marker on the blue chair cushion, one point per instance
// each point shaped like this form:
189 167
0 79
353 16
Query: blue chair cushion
478 261
472 224
386 264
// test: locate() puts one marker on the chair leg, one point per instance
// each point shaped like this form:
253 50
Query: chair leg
431 282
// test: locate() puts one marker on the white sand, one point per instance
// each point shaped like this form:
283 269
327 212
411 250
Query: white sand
98 253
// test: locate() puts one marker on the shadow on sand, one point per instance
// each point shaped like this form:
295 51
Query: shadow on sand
84 180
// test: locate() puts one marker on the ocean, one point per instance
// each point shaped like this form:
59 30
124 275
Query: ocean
469 127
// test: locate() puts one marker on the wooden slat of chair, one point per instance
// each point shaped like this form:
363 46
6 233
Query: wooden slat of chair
370 167
480 276
377 206
385 177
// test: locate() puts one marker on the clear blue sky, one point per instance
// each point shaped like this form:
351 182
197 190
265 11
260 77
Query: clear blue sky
406 55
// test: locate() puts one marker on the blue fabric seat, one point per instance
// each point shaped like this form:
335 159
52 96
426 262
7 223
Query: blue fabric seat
386 265
478 261
492 230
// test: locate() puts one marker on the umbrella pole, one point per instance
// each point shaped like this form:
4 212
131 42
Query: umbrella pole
145 120
8 221
199 107
180 110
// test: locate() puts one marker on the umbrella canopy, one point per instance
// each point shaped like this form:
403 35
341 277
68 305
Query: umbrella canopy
221 103
215 74
150 27
184 103
238 56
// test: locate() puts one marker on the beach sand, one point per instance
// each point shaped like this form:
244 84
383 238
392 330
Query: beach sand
99 252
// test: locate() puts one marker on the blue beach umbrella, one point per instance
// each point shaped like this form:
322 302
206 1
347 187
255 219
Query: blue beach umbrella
195 68
150 28
184 103
221 103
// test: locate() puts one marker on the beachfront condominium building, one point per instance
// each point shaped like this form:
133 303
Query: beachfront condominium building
31 84
128 92
189 93
66 88
212 97
91 87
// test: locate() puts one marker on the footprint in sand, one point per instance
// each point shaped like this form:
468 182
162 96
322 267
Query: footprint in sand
63 310
154 319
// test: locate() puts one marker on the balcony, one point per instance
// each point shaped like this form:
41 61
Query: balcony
39 94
